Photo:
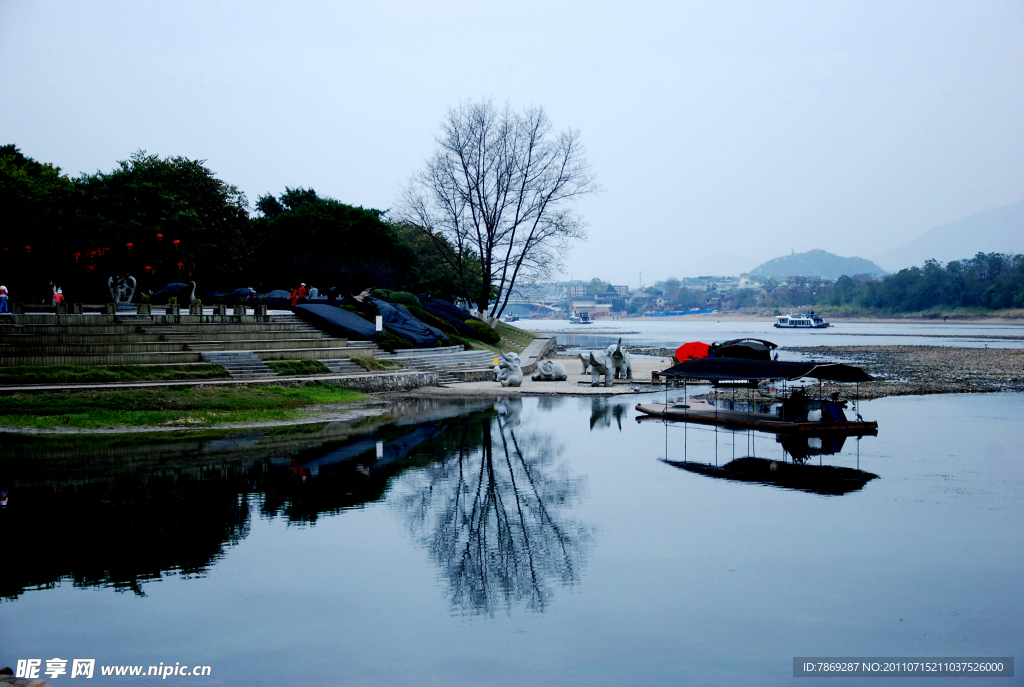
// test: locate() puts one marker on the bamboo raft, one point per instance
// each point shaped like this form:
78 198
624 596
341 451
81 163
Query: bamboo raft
705 413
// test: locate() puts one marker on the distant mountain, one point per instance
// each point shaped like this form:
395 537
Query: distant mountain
999 230
816 263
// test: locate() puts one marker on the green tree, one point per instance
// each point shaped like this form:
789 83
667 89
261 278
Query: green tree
304 237
178 198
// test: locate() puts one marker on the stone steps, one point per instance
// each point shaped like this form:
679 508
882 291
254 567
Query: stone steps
240 364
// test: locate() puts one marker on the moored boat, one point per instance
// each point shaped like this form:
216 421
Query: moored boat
806 321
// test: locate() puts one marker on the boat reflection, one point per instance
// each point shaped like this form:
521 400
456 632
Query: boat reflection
793 469
825 480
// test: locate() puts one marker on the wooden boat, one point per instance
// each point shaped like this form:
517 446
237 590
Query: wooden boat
705 413
792 414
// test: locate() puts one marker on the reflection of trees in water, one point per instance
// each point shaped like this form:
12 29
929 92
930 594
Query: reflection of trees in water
492 516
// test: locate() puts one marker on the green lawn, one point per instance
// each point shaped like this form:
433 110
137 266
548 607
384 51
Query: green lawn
85 374
374 365
169 407
297 367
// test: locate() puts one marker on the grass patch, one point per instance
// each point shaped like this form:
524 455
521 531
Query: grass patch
518 336
374 365
171 407
85 374
297 367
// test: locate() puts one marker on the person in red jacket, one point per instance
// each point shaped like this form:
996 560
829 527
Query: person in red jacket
294 296
303 293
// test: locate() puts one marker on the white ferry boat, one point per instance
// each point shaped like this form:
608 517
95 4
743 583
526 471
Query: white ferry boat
805 321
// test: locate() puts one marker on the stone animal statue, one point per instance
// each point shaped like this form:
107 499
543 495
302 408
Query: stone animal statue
585 359
621 361
550 371
601 364
510 369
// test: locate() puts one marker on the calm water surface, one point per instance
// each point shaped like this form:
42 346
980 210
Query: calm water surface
541 541
647 331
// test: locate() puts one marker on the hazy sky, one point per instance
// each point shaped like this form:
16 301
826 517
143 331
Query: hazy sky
722 133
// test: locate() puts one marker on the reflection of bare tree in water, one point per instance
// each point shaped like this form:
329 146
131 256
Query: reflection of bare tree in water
491 516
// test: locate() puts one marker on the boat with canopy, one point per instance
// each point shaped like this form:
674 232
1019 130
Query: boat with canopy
795 412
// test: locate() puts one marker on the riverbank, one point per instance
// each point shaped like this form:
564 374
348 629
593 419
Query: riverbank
920 370
182 409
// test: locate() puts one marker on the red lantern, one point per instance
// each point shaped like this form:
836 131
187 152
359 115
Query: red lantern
147 268
28 247
129 245
159 236
90 267
175 242
92 254
77 255
180 265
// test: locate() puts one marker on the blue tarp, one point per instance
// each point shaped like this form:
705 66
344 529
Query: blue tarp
336 322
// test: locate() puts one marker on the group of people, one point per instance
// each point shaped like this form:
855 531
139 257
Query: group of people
304 295
57 299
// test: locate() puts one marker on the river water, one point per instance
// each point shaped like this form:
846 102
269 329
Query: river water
646 331
549 541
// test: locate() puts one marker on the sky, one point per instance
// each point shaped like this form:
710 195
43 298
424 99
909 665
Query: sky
722 133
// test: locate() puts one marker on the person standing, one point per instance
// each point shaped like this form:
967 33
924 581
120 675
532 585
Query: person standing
294 297
3 299
302 293
332 295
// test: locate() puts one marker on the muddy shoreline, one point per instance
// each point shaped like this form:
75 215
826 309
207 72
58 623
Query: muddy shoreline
920 370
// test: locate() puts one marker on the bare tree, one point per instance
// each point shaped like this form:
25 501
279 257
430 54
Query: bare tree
495 197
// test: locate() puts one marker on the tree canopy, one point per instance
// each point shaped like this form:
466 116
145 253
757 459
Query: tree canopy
496 197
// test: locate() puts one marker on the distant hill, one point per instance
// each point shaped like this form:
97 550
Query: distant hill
815 263
999 230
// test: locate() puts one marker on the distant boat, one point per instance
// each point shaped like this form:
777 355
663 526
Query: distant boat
578 317
805 321
511 317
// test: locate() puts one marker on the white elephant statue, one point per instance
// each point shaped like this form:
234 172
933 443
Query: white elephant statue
601 364
585 359
621 361
550 371
510 370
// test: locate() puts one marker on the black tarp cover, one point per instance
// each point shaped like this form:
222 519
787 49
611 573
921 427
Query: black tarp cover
336 321
735 369
438 334
405 325
748 349
278 299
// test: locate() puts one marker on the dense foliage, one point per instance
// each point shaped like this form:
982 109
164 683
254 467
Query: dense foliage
171 219
987 281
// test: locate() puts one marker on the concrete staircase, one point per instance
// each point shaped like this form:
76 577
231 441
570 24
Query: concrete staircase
240 365
240 344
162 339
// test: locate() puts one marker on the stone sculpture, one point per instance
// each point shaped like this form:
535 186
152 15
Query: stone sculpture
122 290
621 361
510 370
601 364
550 371
613 362
585 359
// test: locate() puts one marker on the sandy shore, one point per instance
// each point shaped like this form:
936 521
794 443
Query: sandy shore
642 369
901 371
